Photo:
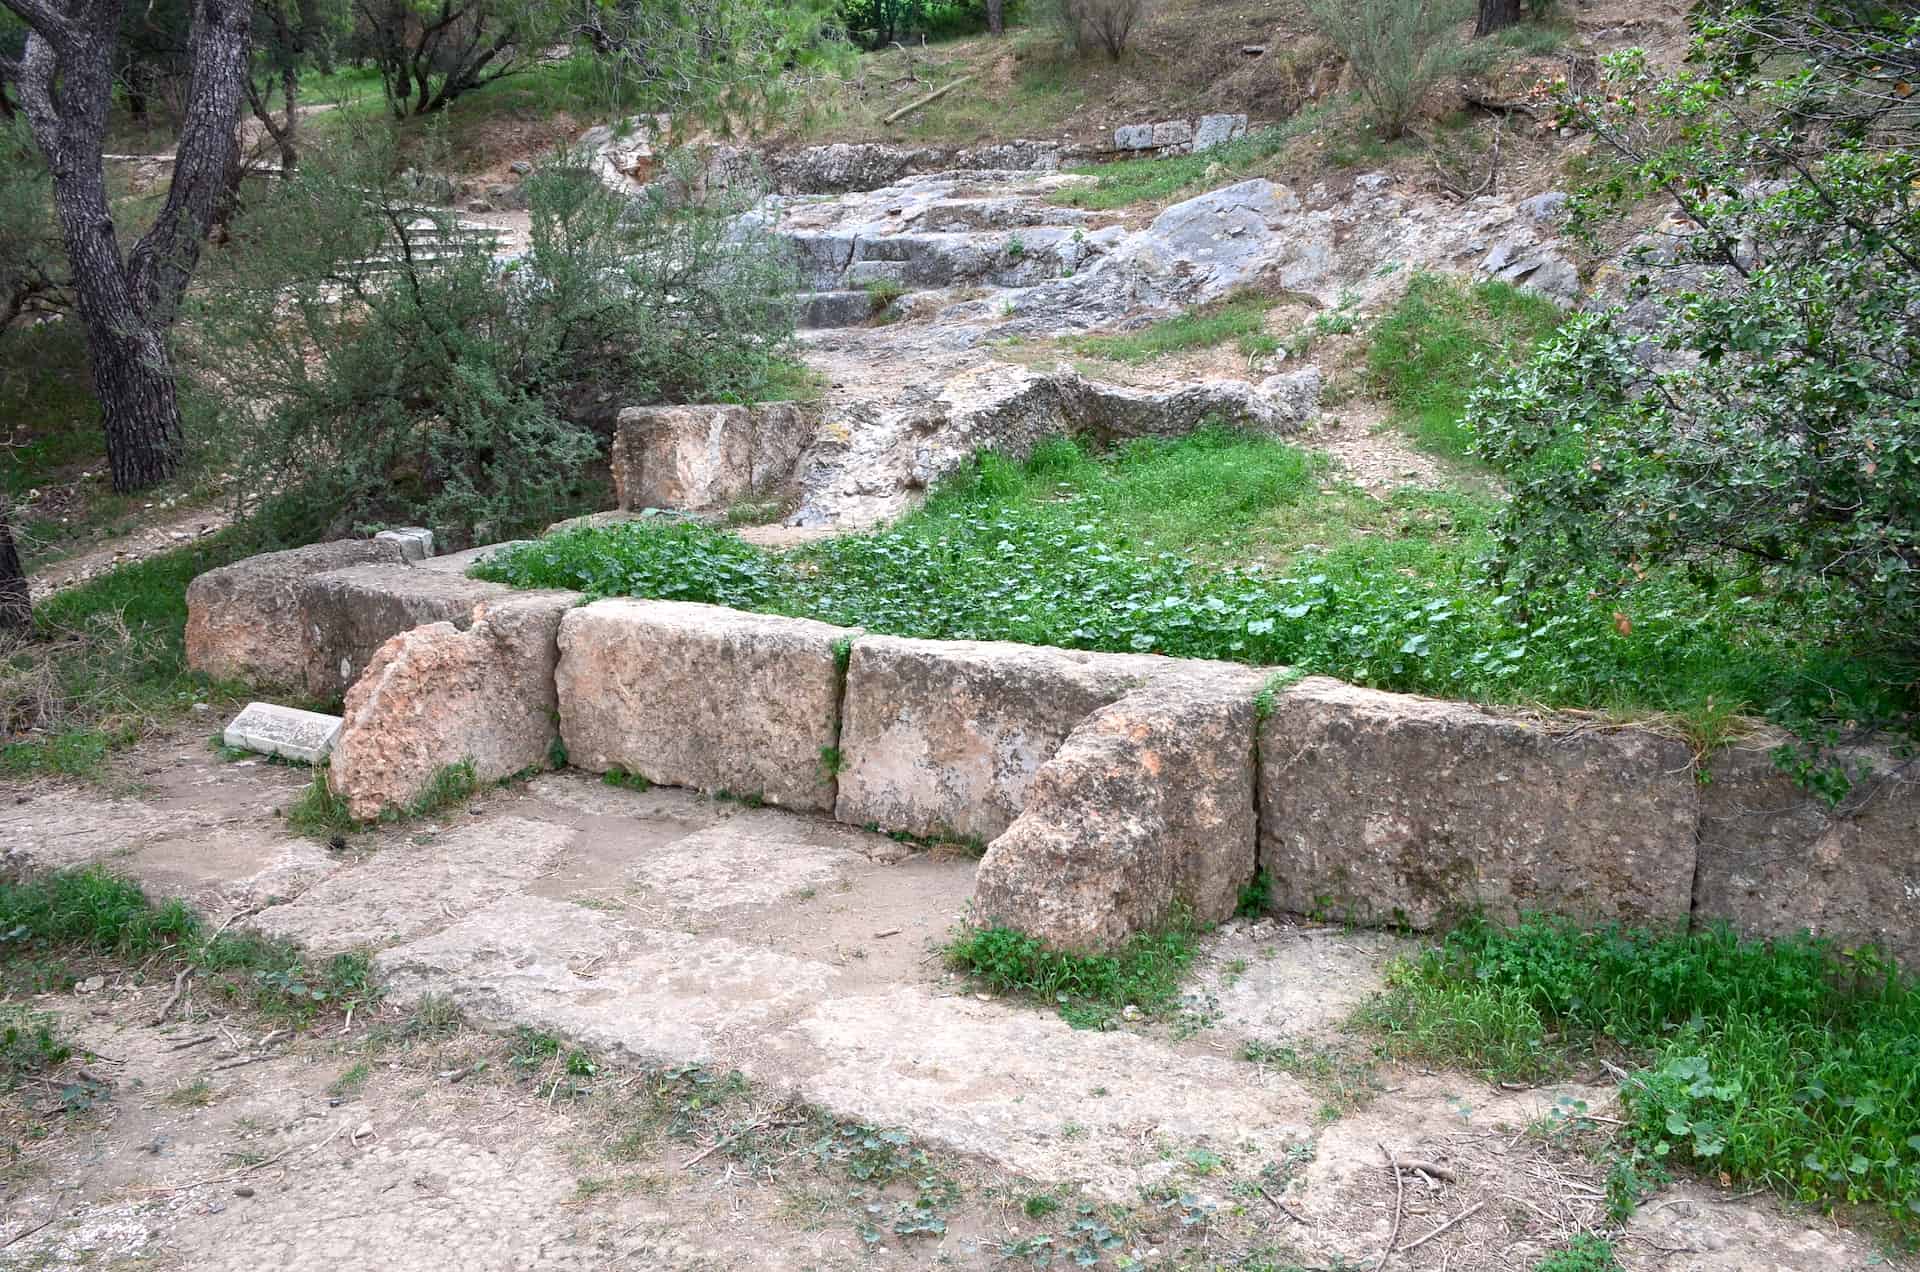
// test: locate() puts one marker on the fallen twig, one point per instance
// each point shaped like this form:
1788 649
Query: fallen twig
917 103
179 988
23 1235
192 1042
1431 1168
1464 1214
717 1145
1399 1198
1283 1208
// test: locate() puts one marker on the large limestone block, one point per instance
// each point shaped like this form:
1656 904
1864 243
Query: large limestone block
348 614
1149 803
944 737
1775 860
702 696
243 620
1379 806
437 696
694 457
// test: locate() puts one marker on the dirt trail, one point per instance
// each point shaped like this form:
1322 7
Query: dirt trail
663 929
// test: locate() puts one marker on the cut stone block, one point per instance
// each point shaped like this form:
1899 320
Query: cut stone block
1148 804
1384 807
288 732
690 457
701 696
348 614
1218 130
1775 860
944 737
1172 132
416 542
437 696
243 620
820 310
1133 137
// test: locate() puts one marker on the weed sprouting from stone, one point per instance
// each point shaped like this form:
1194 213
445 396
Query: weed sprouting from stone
1092 991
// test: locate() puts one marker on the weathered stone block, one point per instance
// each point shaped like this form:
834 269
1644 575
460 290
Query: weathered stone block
348 614
701 696
461 562
1775 860
1172 132
1218 130
437 696
1133 137
944 737
705 456
415 542
1148 803
1379 806
243 620
291 734
820 310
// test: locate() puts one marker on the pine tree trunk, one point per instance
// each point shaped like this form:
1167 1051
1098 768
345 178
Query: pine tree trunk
1496 15
16 605
997 16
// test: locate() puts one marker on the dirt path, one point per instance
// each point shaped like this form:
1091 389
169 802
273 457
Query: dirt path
172 530
661 930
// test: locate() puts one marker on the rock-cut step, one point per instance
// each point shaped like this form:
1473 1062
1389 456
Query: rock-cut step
822 309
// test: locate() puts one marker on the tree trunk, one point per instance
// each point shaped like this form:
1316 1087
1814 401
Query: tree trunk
997 16
66 89
1496 15
16 605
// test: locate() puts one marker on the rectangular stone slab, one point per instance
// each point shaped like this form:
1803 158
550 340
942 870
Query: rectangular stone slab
348 614
942 738
1776 860
1381 807
243 620
288 732
702 696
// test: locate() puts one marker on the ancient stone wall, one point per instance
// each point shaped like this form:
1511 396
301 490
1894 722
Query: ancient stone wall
1105 788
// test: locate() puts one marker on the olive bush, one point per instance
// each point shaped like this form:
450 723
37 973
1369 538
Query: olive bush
371 361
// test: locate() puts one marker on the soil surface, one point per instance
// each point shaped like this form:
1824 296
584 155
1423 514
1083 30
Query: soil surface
668 934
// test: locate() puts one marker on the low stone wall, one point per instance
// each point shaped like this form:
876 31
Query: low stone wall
1107 787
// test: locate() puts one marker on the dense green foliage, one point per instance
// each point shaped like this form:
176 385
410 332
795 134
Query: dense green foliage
1750 423
1787 1063
1091 990
368 364
1585 1253
1440 341
1224 546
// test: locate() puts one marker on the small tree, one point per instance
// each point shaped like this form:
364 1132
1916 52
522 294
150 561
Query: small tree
1399 49
432 51
1107 23
1754 425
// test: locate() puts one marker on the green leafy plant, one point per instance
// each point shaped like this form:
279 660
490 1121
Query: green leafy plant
1584 1253
1254 896
1091 990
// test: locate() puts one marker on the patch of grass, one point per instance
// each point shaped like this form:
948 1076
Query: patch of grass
1441 340
29 1045
1585 1253
1091 990
450 785
94 912
1236 318
1125 182
1344 1082
47 400
1255 895
106 659
617 776
656 557
196 1094
351 1080
1790 1063
316 810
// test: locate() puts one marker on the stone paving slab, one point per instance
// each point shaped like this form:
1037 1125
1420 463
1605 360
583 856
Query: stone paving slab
288 732
409 890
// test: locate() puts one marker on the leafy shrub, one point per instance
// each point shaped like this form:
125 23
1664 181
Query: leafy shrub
1752 424
1585 1253
1107 24
370 364
1399 49
1787 1063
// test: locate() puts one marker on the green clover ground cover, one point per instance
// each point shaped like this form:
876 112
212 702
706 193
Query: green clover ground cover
1220 545
1788 1063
